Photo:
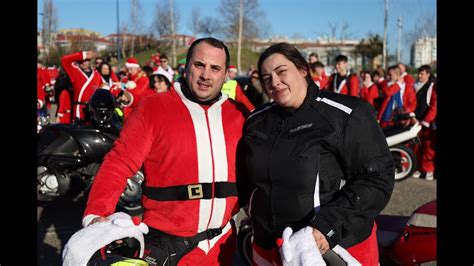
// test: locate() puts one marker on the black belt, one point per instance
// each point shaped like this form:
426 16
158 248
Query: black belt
83 103
191 191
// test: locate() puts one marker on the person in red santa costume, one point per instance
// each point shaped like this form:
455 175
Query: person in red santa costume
369 91
396 95
186 142
84 80
136 83
407 78
343 81
425 112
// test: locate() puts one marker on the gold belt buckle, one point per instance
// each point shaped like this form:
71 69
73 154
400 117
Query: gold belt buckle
195 191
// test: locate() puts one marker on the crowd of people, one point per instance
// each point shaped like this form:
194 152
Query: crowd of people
293 146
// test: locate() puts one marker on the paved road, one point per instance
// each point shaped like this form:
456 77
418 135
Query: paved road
57 221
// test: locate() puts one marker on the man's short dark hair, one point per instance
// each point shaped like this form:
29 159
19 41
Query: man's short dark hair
425 68
163 57
340 58
212 42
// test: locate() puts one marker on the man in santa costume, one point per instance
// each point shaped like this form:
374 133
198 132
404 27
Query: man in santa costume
137 82
186 142
395 95
407 78
343 81
425 112
84 80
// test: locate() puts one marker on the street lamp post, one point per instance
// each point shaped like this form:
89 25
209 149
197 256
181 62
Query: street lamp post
118 35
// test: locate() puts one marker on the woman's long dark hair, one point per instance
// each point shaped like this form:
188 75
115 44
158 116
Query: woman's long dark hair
288 51
160 78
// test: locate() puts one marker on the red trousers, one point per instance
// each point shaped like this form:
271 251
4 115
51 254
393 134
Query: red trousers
366 252
426 153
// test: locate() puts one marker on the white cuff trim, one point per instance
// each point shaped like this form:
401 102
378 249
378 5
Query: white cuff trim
131 101
84 55
88 219
424 123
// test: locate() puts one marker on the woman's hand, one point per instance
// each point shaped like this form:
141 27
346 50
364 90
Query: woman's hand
321 241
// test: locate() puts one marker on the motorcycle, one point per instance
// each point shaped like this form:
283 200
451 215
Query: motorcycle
69 155
408 240
400 139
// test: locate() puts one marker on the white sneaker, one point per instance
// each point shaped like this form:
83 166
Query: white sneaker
429 176
416 174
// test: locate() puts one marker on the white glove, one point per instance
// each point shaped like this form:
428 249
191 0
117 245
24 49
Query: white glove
131 85
300 248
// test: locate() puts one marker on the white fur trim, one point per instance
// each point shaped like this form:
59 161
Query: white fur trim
424 123
85 242
84 55
79 99
346 256
132 65
88 219
161 71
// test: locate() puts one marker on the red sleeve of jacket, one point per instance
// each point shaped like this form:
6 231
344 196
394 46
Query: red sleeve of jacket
431 114
354 86
240 97
409 99
123 161
64 109
67 62
409 81
388 91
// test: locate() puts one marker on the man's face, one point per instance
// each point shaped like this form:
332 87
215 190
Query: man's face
231 74
393 75
341 67
164 62
206 71
86 64
423 76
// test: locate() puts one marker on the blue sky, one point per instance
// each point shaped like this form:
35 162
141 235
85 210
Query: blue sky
306 18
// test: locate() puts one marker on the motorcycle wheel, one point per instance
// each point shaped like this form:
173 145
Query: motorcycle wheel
61 184
405 161
244 244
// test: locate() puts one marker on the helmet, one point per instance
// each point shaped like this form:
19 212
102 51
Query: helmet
101 107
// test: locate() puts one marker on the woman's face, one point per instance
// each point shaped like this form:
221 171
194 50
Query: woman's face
160 86
284 83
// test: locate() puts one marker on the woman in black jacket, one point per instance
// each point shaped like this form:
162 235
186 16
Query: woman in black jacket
312 158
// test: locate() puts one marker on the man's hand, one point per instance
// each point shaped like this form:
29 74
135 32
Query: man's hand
321 241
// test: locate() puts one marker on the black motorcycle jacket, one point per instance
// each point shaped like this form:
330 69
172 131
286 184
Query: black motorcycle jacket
333 144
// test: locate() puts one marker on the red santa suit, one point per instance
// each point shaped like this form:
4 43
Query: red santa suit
426 113
82 86
342 87
179 143
408 99
64 109
40 93
369 93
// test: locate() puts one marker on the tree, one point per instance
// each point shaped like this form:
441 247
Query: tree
166 22
50 25
210 26
135 22
424 27
194 22
370 48
241 20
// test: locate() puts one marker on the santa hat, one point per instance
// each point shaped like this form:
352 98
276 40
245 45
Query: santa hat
232 69
85 242
132 62
162 72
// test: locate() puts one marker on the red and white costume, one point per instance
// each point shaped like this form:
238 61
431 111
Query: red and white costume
178 142
426 114
82 86
408 98
369 93
64 109
322 81
141 84
409 80
342 88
